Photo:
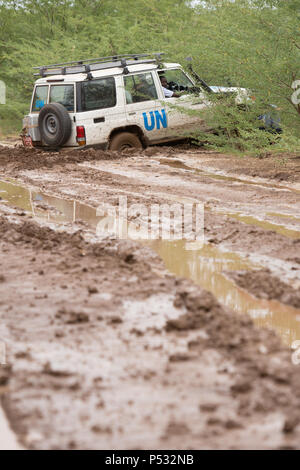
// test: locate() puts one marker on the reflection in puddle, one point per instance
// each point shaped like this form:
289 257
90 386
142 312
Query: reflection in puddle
205 265
16 195
176 164
48 208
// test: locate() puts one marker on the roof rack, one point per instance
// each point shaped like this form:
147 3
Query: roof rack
101 63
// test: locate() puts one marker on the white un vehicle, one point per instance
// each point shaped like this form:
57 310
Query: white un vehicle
114 103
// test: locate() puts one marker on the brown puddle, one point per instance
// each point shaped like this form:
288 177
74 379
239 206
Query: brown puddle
283 216
250 220
47 208
180 164
205 266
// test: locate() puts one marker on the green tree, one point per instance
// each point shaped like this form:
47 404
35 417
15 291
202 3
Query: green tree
249 43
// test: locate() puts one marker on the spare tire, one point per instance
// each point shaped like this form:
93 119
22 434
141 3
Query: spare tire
55 125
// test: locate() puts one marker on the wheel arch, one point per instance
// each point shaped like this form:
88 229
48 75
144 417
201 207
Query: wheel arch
134 130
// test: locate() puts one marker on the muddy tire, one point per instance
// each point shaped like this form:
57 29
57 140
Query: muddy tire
55 125
125 140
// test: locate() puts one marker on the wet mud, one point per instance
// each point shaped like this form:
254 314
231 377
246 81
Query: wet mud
263 285
106 339
73 341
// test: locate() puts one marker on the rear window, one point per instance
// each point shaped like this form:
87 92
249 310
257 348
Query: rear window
63 94
98 94
40 98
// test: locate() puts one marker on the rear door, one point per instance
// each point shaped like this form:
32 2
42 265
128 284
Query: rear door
65 95
143 107
100 108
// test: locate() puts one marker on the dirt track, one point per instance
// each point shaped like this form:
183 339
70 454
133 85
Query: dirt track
108 350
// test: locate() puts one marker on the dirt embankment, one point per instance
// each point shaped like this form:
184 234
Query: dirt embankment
104 351
277 167
15 159
265 286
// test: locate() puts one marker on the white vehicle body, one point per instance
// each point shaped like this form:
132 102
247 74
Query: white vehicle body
154 119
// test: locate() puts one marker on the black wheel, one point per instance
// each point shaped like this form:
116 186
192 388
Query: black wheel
125 140
54 124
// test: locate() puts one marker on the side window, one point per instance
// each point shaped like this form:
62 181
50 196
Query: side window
40 98
140 88
98 94
63 94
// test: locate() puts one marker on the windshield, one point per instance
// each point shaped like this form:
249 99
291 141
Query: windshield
177 80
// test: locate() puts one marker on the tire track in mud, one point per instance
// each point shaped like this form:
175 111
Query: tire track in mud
231 234
155 363
97 179
248 374
208 266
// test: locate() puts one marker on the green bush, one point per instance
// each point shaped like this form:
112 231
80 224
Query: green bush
253 44
238 128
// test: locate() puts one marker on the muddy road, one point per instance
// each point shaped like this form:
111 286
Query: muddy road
124 343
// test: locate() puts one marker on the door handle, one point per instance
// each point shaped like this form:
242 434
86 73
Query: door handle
132 114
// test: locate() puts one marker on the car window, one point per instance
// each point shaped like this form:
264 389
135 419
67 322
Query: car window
98 94
40 98
140 88
63 94
177 79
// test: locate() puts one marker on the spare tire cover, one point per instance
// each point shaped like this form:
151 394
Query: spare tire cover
54 124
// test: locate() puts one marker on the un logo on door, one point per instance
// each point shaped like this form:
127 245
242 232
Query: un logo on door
157 118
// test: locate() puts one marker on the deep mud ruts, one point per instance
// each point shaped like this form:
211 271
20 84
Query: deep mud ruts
106 349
